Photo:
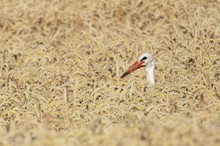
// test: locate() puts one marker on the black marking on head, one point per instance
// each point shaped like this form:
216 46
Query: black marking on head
144 58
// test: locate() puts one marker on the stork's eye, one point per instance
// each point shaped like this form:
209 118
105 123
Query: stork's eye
144 58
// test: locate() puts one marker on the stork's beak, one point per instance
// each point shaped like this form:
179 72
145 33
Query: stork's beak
133 67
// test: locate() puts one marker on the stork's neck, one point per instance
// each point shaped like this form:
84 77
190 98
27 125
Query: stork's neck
150 72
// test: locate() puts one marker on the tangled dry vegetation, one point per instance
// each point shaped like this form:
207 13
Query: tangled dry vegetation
61 62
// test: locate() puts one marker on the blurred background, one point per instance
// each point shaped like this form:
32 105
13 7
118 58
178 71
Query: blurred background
61 63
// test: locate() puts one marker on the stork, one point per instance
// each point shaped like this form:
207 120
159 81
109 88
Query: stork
145 61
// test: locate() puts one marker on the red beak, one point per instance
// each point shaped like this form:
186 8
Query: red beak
135 66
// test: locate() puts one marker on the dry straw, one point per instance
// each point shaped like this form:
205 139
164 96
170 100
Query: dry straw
61 63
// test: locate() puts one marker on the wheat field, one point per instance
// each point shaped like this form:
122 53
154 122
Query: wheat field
61 63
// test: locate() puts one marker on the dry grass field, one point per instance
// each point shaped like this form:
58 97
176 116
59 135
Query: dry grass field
61 62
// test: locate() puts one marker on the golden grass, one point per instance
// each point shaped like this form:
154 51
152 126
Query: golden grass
61 63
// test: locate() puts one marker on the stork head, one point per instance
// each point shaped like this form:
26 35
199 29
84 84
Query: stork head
145 60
